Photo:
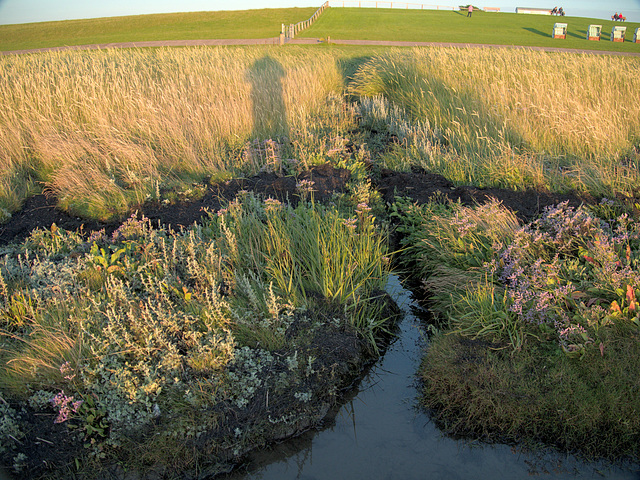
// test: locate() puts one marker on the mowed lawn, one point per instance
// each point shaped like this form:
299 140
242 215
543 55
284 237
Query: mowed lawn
263 23
448 26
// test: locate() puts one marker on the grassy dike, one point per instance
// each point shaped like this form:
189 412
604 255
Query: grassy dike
339 23
263 23
454 27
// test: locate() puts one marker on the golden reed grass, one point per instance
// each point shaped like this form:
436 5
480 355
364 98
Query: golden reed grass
521 115
103 129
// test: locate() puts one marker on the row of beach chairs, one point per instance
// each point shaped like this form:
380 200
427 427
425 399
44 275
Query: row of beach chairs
594 32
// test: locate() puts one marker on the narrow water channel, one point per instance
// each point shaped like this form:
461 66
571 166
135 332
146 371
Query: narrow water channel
378 433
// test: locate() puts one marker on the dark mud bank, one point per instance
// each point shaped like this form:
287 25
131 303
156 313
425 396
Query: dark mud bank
41 211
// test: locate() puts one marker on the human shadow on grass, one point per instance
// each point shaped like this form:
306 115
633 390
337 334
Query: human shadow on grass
267 97
348 68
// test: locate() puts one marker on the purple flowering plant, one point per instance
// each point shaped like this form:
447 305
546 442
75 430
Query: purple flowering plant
65 405
562 278
572 273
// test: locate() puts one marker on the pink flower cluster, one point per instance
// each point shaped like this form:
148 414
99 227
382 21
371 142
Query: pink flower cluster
65 406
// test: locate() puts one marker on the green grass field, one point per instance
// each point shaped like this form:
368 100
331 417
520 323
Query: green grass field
455 27
339 23
264 23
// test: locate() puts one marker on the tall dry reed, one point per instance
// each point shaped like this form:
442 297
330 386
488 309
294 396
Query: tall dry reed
105 129
518 117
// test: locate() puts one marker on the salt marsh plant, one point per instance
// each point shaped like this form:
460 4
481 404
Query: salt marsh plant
516 119
449 246
121 330
105 130
301 253
546 312
568 271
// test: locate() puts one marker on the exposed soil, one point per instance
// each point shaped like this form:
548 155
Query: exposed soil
40 211
421 186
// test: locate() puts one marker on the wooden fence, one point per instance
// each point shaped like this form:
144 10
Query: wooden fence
291 30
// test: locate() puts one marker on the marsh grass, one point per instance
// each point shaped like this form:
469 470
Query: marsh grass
274 251
539 396
443 236
515 119
103 131
106 131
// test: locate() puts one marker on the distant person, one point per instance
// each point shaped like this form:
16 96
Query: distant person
470 11
561 12
554 11
615 17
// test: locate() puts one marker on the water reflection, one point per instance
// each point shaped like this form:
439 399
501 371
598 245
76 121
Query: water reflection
379 433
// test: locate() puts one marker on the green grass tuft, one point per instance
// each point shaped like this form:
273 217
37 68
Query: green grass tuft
537 396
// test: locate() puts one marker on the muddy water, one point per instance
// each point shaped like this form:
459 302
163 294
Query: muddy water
378 433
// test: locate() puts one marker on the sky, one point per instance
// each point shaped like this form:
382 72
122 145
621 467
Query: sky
26 11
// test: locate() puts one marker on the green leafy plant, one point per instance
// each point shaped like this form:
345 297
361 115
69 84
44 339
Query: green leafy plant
107 259
93 421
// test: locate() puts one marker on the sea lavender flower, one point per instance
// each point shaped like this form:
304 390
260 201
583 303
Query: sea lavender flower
272 205
362 208
65 406
350 223
305 186
96 236
66 370
462 224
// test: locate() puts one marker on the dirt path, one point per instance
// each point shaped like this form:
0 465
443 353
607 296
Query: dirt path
475 45
301 41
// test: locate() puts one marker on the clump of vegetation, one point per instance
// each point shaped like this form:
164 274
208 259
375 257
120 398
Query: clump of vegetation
106 131
541 323
500 117
117 334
